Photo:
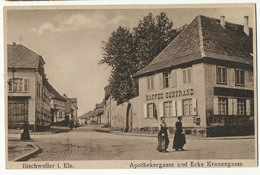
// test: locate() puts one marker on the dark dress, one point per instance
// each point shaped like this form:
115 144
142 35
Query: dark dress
179 138
25 135
163 140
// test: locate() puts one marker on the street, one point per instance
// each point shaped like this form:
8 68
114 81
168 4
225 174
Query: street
86 144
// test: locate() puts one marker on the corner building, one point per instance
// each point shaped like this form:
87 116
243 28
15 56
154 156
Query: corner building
205 75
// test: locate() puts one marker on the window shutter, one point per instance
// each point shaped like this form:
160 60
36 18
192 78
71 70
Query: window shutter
154 111
174 111
235 106
248 109
194 106
160 109
215 106
184 76
148 83
160 80
179 108
145 110
26 85
174 78
230 107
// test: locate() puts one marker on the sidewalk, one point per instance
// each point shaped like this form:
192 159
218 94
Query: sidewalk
52 130
188 136
21 150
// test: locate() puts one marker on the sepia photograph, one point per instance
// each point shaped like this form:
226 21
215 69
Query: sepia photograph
130 86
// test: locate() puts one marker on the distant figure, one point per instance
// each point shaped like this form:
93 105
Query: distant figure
25 135
163 140
179 137
71 124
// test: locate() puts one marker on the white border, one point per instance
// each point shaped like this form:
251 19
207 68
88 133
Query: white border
215 171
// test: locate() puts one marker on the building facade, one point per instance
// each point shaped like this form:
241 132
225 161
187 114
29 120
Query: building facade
28 98
57 106
205 75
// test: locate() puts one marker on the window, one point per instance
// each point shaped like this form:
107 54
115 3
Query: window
221 75
18 85
240 77
166 79
151 113
222 106
150 83
240 107
187 106
186 75
17 110
167 109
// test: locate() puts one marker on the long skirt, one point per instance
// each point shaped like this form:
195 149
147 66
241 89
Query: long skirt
163 142
179 141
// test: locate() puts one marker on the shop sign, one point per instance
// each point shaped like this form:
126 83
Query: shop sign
172 94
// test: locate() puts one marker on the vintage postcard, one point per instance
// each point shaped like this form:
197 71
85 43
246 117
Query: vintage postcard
130 86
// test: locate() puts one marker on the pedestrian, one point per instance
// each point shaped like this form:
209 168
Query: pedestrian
71 124
25 135
179 138
163 139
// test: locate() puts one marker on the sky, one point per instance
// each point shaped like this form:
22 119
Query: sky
70 41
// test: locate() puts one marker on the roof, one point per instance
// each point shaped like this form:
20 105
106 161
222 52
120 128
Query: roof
87 115
22 57
55 95
204 37
99 111
73 100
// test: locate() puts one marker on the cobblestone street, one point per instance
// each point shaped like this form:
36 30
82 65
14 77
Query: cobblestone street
86 144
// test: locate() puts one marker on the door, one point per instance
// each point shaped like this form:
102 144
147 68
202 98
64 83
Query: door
17 111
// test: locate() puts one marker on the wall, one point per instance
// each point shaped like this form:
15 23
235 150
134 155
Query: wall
197 85
31 92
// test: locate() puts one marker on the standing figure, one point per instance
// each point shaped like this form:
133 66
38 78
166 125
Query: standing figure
179 137
71 124
163 140
25 135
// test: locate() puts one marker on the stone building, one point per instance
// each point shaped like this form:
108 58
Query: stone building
28 97
205 75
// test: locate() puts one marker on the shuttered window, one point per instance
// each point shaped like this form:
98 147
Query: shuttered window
166 79
187 107
240 107
167 109
221 75
240 77
18 85
187 75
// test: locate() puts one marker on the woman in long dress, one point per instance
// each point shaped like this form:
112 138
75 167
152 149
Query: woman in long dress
179 137
163 140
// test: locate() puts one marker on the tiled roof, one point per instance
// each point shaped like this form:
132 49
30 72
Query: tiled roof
73 100
204 37
22 57
87 115
55 95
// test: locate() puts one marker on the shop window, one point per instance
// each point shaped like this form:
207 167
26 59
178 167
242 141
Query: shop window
167 109
166 79
150 83
222 106
187 106
240 77
221 75
240 106
186 75
18 85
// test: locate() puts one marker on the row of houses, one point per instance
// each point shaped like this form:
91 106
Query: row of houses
205 74
31 97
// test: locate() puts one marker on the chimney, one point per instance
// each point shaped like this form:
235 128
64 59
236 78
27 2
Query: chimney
14 43
222 21
246 27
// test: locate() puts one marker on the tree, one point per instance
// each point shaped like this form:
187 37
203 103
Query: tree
127 52
152 36
119 53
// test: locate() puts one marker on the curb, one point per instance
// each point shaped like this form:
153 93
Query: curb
199 138
27 156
